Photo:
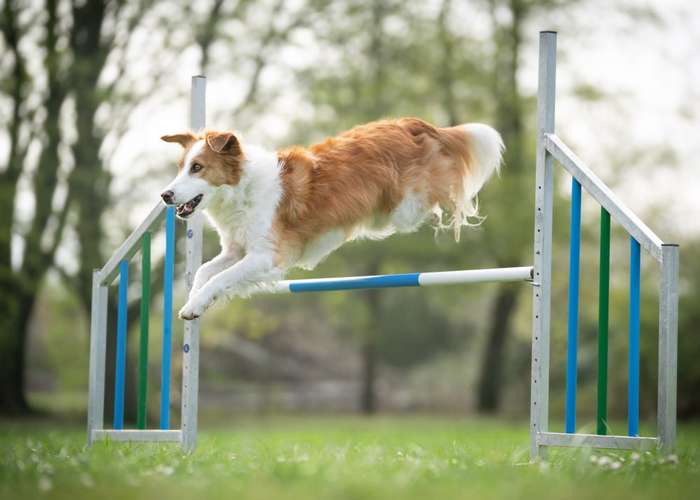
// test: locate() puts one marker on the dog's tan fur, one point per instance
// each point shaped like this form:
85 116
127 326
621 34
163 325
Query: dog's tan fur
221 159
346 180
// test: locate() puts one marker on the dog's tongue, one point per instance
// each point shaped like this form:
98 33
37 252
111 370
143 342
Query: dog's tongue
185 209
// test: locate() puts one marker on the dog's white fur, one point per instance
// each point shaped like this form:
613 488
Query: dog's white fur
243 216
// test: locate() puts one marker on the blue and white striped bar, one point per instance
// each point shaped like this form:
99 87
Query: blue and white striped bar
404 280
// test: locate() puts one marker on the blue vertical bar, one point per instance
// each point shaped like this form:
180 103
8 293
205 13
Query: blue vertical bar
120 368
572 337
167 317
633 386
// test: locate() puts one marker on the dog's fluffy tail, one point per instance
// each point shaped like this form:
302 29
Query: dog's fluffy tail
481 149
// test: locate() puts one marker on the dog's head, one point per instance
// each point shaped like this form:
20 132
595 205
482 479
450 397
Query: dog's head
209 160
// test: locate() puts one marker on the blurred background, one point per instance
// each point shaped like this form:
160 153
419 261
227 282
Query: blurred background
87 88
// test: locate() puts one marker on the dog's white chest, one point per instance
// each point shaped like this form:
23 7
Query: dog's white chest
232 218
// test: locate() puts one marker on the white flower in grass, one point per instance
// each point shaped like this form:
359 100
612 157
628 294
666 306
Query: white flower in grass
671 459
635 457
86 480
45 484
45 468
132 481
165 470
615 465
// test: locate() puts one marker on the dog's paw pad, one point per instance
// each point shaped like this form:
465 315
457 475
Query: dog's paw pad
189 313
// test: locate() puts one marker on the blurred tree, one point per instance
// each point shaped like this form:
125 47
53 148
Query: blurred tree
509 244
86 52
383 59
404 62
81 114
27 245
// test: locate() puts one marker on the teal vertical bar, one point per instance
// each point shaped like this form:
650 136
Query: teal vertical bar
633 386
603 315
574 278
143 339
120 368
167 317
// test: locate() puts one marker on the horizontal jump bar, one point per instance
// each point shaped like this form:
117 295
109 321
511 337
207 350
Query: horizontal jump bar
596 441
137 435
404 280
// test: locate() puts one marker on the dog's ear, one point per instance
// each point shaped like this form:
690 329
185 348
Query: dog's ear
223 142
185 140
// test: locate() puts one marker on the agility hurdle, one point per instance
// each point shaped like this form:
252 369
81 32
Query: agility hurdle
549 148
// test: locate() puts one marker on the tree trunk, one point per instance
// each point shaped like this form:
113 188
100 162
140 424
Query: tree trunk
12 399
510 122
368 396
368 400
494 361
15 312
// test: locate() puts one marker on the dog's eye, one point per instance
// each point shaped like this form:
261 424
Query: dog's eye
196 167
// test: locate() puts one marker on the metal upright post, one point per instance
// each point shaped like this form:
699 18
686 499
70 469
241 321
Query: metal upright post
668 347
539 391
193 259
98 347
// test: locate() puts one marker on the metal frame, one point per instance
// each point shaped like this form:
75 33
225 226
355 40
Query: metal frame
603 195
549 148
193 259
541 295
102 278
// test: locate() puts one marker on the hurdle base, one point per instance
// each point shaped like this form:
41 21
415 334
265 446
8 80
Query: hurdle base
560 439
173 436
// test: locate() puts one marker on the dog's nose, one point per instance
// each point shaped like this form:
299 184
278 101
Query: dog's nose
167 197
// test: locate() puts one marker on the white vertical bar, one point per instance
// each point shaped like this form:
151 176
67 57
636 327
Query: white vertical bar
668 347
98 347
539 391
193 259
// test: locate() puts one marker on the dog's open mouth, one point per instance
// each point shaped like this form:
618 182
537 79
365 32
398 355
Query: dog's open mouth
184 210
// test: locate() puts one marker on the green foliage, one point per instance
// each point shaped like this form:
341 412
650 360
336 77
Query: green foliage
334 458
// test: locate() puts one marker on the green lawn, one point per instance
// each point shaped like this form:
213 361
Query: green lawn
304 458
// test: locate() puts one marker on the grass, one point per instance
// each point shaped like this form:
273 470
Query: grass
343 458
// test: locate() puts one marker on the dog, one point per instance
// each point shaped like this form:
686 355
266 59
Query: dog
277 210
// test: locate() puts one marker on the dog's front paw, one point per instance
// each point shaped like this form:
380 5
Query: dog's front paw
193 309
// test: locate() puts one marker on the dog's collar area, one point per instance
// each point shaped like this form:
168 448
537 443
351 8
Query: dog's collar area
184 210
